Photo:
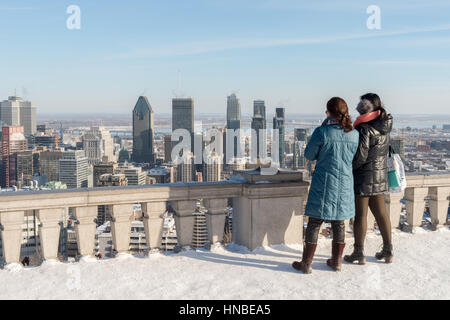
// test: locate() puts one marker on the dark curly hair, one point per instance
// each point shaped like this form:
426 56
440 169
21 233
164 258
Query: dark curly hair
338 108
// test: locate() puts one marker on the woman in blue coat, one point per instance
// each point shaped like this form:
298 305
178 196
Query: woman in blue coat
331 195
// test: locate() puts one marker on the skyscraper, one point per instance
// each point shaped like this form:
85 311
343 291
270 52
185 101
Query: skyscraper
13 142
259 123
167 148
233 120
49 164
300 141
143 127
16 112
278 124
183 114
98 143
73 169
183 117
233 112
301 134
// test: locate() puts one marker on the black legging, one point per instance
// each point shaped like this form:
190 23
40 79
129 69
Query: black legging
312 230
378 207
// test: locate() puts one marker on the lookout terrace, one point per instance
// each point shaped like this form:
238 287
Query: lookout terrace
267 232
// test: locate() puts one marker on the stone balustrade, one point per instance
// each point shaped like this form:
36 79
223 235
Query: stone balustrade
267 210
271 212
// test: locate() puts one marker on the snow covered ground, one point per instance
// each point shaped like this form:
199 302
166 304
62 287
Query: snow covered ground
421 270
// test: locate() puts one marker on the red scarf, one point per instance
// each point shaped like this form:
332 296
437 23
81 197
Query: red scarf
366 117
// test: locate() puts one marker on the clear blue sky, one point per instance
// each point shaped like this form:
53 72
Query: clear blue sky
292 53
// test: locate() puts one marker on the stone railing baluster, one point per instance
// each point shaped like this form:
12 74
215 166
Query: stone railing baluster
49 231
415 205
85 228
11 232
153 222
184 220
121 226
439 201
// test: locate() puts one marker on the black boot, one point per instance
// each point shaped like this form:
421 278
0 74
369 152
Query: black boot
357 255
385 254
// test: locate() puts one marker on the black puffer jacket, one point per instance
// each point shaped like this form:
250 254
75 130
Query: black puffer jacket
369 164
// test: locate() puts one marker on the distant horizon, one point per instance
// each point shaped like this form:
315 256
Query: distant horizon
224 114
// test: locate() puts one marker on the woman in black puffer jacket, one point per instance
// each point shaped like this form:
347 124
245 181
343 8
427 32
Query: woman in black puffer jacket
370 175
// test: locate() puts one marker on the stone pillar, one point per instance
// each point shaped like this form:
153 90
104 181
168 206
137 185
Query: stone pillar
394 208
153 222
439 204
215 218
49 231
11 232
184 220
268 215
121 226
415 205
85 229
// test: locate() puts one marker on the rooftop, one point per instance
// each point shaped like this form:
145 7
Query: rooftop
420 271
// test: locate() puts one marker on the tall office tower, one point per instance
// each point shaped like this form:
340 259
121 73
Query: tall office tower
301 134
299 160
278 124
398 144
49 164
233 119
233 112
16 112
167 148
98 143
183 114
259 108
73 169
143 129
183 117
300 141
13 142
259 123
27 166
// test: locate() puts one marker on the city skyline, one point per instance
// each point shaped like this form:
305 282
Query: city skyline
293 60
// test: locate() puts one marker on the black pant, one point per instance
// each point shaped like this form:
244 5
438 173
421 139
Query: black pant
312 230
378 208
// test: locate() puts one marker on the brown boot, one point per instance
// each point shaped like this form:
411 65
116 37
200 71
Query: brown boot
335 262
308 253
